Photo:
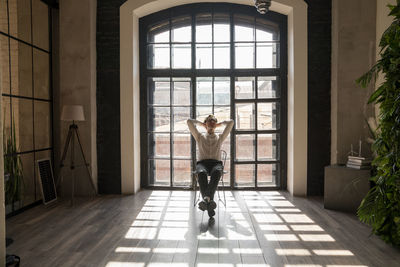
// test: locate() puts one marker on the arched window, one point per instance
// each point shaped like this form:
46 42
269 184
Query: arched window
221 59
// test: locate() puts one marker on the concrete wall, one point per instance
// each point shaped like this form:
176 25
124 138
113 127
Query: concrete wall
77 21
353 53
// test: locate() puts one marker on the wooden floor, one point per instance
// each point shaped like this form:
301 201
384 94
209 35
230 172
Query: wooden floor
161 228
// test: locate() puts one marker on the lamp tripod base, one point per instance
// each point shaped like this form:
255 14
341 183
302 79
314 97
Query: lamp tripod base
73 133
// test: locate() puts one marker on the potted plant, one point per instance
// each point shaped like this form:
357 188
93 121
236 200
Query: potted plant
13 169
381 206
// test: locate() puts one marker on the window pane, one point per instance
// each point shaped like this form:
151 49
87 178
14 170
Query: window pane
222 114
158 56
244 55
204 56
267 147
20 19
161 171
266 30
221 28
42 124
244 28
222 56
181 29
201 113
30 186
182 172
244 175
5 65
6 106
41 76
268 87
181 56
181 114
40 24
222 90
203 28
245 147
159 119
182 146
204 91
244 88
267 116
245 116
159 33
181 91
159 144
266 174
23 121
227 175
21 69
226 146
266 55
159 91
3 16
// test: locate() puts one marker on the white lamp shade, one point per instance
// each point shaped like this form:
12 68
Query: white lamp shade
72 113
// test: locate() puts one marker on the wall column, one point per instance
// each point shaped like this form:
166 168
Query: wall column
353 53
77 21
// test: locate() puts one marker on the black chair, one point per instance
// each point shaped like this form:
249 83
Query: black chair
196 182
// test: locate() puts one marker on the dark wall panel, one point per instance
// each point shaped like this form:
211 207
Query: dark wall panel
319 97
108 115
108 106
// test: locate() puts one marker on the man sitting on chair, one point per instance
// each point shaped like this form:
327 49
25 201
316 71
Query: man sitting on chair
209 162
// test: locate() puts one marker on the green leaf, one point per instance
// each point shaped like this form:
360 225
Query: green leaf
380 208
377 93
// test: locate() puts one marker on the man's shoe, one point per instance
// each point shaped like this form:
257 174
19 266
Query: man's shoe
211 221
202 205
211 212
212 205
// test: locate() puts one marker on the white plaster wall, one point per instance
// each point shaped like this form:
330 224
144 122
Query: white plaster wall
78 86
132 10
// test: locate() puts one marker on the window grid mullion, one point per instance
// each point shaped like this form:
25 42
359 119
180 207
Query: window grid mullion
171 144
232 73
255 144
233 111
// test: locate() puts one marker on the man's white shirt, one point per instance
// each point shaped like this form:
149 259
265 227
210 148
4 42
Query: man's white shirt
209 144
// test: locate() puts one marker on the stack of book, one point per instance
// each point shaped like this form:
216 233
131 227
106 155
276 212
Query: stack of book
359 163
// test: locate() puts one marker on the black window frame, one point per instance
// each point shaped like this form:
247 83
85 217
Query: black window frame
193 73
32 98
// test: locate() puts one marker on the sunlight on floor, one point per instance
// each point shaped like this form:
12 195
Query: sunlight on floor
254 229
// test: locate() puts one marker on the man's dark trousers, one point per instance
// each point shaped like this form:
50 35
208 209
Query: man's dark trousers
214 169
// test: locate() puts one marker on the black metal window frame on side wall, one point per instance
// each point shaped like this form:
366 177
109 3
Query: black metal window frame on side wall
280 71
33 46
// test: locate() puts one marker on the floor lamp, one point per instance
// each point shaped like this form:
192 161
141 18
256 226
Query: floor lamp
73 113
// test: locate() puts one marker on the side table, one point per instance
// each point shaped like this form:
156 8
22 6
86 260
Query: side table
344 188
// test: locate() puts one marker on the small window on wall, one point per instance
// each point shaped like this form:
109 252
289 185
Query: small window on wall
221 59
25 59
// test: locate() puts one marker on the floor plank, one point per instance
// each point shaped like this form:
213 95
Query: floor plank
162 228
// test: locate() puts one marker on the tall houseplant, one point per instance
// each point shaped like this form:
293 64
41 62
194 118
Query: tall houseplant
381 206
12 167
